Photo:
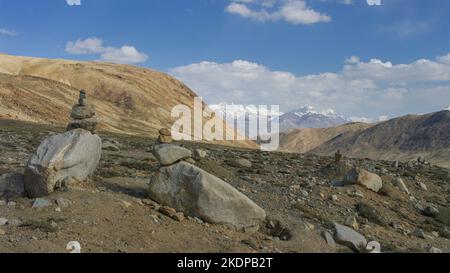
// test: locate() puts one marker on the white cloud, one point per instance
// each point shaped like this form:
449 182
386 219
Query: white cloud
292 11
8 32
73 2
125 54
374 89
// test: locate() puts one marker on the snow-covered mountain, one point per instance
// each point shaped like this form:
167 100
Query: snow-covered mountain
305 117
308 117
244 117
236 111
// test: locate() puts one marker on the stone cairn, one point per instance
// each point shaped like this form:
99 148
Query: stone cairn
165 136
83 115
185 188
338 156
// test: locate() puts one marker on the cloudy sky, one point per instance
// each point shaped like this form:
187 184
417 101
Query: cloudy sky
363 58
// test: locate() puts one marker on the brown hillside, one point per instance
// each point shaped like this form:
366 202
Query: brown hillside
403 138
128 99
306 139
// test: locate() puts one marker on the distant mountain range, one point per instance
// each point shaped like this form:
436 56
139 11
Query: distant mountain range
308 117
304 117
402 138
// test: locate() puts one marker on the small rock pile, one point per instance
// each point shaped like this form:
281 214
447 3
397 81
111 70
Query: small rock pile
197 193
65 158
165 136
83 115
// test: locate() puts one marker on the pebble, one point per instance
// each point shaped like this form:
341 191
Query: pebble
41 203
63 203
423 186
304 193
334 198
418 232
351 222
349 237
179 216
309 227
14 222
329 239
167 211
435 250
431 211
3 222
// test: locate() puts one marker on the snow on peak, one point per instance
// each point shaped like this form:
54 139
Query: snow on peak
310 110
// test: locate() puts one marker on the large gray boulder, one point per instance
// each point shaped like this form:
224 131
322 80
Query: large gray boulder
11 186
348 237
71 155
364 178
197 193
168 154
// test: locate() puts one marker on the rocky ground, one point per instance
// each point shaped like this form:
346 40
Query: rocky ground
300 194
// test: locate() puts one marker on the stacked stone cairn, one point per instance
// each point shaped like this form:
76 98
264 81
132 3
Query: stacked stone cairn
165 136
196 193
83 115
64 159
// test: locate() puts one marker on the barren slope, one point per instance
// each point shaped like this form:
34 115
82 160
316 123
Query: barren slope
305 139
128 99
403 138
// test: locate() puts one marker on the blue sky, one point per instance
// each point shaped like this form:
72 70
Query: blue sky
361 60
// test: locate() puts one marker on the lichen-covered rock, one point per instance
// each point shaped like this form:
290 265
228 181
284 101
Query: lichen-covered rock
168 154
364 178
348 237
196 193
71 155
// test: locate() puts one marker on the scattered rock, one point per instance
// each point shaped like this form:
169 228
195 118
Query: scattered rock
348 237
430 211
418 232
199 154
168 154
108 146
401 185
63 203
167 211
3 221
41 203
72 155
241 163
277 229
352 222
329 239
190 160
423 186
197 193
179 216
2 232
369 213
11 186
435 250
364 178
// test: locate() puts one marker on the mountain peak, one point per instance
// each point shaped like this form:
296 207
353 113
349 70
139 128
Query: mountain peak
308 117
